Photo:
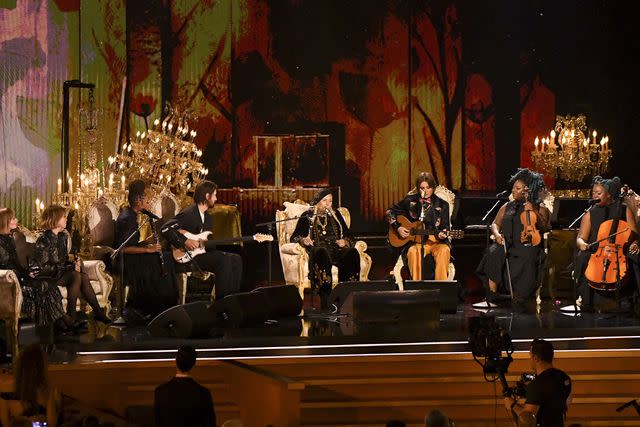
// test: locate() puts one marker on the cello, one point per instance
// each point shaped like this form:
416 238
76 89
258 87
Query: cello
608 265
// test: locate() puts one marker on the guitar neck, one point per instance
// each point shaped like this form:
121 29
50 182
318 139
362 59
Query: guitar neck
208 244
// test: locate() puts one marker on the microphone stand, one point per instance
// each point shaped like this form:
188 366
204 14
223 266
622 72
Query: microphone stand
120 253
633 403
269 226
574 307
485 221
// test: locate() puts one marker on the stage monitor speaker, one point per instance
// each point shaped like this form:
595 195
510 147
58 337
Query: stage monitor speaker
342 290
420 307
184 321
282 301
242 309
448 292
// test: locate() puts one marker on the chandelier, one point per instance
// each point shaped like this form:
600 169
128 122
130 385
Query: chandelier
569 152
163 156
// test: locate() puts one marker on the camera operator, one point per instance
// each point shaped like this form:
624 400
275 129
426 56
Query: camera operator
548 395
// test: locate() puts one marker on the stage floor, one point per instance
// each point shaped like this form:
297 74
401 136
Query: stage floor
324 335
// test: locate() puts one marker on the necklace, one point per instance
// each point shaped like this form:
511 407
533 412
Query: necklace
323 225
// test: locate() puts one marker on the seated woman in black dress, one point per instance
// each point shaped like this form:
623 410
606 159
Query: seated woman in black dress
34 293
152 285
34 398
50 263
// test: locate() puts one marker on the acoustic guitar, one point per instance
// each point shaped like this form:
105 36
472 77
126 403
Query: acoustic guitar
416 233
182 257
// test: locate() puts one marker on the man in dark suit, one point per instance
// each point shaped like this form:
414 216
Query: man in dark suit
226 266
182 401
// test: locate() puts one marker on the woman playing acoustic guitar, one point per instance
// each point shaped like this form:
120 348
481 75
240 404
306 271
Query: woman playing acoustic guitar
422 205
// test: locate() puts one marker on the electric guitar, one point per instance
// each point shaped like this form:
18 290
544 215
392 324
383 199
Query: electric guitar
416 233
181 256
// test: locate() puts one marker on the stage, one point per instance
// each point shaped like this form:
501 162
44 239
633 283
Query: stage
327 371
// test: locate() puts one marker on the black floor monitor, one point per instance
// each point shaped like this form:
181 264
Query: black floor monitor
448 292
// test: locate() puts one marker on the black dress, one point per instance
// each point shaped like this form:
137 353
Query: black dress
41 302
324 230
150 292
525 261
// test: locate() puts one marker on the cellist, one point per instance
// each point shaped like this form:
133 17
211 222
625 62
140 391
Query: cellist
605 191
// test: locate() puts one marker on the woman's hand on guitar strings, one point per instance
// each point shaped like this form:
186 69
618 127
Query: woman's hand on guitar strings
403 232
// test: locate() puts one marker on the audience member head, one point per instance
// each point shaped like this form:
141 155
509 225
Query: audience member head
435 418
54 216
186 358
8 220
136 196
205 193
31 375
541 353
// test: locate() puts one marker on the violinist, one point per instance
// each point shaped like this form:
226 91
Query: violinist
605 192
518 229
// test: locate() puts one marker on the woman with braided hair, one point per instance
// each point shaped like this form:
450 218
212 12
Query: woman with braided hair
605 191
527 190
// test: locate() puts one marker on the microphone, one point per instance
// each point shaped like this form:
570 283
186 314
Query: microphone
502 194
593 202
150 214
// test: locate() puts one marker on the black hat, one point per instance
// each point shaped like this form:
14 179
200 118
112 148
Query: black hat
321 194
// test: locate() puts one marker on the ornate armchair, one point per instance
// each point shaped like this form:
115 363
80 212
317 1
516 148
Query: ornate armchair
11 293
447 195
294 257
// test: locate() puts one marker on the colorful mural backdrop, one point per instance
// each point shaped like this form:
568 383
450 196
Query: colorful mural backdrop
385 80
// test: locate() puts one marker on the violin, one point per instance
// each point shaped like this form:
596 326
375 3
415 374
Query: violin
530 235
608 265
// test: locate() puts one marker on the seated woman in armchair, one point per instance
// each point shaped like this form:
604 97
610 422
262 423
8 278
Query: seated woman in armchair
323 232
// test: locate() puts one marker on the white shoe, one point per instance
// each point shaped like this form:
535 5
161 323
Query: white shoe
485 304
572 308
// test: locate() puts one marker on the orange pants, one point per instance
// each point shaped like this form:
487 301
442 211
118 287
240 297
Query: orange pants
441 254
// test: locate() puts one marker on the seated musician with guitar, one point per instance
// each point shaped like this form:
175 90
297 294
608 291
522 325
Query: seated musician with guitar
422 217
323 232
608 230
148 272
517 230
193 221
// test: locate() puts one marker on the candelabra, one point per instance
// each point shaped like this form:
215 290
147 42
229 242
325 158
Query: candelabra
573 155
90 183
164 156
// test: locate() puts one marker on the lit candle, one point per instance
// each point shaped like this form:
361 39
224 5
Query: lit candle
553 137
536 142
76 206
122 183
70 185
41 206
37 205
110 181
594 134
606 143
59 185
82 180
156 122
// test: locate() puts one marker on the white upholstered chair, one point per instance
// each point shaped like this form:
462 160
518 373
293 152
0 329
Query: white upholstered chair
448 196
294 257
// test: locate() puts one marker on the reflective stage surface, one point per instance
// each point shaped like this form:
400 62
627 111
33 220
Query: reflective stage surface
320 334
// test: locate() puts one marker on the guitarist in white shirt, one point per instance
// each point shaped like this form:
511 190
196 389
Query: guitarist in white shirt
194 220
421 204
